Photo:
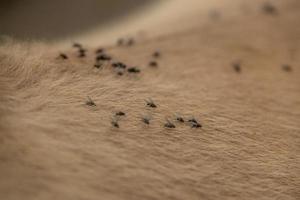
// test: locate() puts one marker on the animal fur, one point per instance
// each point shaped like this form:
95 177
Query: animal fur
54 146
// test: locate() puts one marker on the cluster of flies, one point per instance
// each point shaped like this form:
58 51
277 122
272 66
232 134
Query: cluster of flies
120 68
103 58
192 122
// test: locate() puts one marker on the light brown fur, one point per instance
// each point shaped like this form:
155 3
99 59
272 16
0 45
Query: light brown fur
53 146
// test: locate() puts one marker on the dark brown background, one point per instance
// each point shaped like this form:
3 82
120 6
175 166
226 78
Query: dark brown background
58 19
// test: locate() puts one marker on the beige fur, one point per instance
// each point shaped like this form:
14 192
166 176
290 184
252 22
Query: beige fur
53 146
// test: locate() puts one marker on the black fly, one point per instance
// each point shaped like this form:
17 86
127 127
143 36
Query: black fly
192 120
179 118
169 124
130 42
133 70
98 65
120 41
156 54
100 50
150 103
119 65
237 66
103 57
63 56
146 119
287 68
77 45
194 123
153 64
82 52
120 73
114 122
90 102
268 8
120 113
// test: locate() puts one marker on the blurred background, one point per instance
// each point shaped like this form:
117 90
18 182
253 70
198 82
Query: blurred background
59 19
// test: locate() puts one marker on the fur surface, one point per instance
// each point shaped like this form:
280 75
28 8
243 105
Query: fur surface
53 146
